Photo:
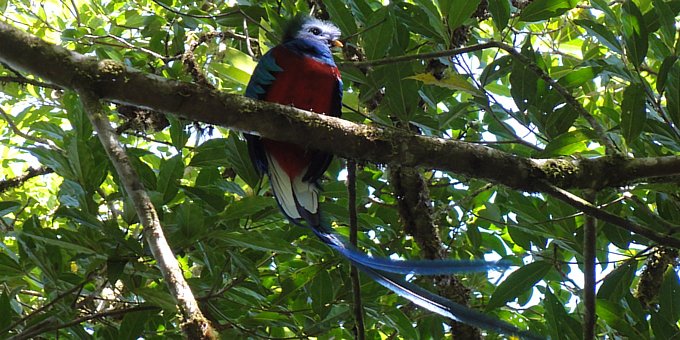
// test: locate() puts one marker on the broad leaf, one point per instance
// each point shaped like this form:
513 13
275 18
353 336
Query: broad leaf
633 112
520 281
634 33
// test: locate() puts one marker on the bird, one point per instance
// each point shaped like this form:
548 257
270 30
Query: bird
301 72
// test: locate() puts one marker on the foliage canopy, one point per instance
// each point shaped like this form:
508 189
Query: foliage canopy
573 80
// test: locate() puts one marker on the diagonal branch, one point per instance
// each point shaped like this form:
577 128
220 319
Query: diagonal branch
592 210
195 325
116 82
27 81
20 133
14 182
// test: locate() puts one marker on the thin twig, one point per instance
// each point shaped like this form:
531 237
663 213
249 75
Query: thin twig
20 133
41 330
194 323
359 329
588 208
47 305
14 182
589 248
27 81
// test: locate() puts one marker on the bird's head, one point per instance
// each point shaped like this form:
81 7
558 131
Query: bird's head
308 28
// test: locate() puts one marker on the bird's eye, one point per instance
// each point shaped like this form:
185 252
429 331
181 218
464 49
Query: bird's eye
315 30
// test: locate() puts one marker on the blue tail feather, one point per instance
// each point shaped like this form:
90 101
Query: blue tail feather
418 267
442 306
383 270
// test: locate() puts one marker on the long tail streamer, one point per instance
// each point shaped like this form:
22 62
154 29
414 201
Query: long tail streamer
383 270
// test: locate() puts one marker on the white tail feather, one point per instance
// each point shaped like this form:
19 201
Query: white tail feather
306 194
287 190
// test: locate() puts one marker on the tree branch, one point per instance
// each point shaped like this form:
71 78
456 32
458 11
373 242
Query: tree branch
353 229
116 82
49 328
46 306
14 182
589 279
585 206
20 133
195 325
27 81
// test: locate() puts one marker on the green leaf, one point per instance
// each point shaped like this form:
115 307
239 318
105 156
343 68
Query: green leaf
114 269
568 143
158 296
664 69
561 325
434 18
673 93
669 296
54 160
378 40
400 92
72 194
8 207
80 216
87 161
143 170
212 152
61 244
497 69
398 320
603 34
459 11
178 132
132 326
662 327
171 171
500 13
615 316
523 81
321 291
450 80
520 281
579 76
617 283
666 17
341 16
213 196
560 121
545 9
6 311
190 220
252 240
633 112
603 6
417 20
230 151
49 131
248 207
653 18
9 268
77 116
239 158
634 33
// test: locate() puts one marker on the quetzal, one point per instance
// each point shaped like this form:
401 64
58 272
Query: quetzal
301 72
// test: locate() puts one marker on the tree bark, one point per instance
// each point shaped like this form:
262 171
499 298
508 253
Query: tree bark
116 82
